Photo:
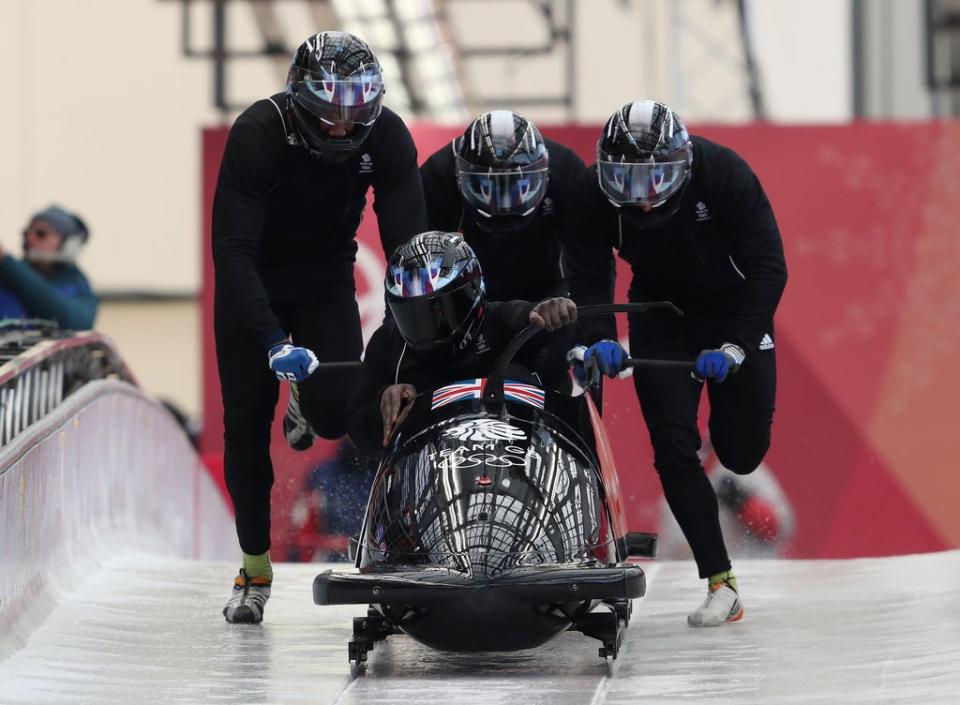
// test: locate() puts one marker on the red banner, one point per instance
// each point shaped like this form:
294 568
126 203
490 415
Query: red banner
866 337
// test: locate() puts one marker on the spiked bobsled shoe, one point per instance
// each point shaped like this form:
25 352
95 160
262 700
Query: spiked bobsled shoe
296 428
721 606
248 599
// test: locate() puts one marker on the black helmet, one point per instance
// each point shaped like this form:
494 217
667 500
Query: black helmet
335 79
502 169
644 156
436 293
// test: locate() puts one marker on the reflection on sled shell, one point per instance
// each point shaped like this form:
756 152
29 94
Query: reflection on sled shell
488 531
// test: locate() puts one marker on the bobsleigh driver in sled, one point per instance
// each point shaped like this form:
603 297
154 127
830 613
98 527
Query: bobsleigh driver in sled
494 521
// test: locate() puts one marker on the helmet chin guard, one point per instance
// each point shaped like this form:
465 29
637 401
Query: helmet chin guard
636 218
502 225
313 137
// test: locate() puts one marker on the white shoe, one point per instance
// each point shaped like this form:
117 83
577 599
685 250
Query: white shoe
248 599
721 606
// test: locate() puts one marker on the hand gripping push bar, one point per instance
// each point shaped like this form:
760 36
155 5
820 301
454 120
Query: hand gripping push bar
493 391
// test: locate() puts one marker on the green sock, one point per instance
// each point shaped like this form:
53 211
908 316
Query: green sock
258 565
726 576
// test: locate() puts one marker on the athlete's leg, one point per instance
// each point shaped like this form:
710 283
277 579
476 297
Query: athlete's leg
741 412
669 400
249 390
332 330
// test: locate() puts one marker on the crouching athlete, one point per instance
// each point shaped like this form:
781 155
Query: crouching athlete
443 330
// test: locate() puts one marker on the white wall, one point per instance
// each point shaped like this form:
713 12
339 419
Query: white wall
684 52
160 342
895 60
102 113
805 55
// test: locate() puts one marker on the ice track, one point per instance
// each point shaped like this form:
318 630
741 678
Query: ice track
90 612
145 629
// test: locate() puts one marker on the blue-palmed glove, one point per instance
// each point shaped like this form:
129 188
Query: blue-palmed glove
606 356
291 363
717 364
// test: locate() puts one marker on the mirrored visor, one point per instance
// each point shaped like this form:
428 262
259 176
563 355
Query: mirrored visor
631 183
407 282
433 319
502 192
357 99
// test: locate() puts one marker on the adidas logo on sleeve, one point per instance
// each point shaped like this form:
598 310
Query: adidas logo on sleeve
767 342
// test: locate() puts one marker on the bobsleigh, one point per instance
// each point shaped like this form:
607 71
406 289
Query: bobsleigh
494 523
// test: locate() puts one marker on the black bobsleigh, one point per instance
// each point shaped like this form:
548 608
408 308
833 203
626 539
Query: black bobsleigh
494 523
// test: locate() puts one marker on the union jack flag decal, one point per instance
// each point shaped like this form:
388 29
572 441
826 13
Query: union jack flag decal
473 389
458 391
523 393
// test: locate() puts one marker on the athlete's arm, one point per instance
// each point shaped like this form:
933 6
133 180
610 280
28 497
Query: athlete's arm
398 191
239 207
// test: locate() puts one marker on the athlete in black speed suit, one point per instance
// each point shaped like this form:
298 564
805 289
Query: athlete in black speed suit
290 195
692 220
443 330
506 189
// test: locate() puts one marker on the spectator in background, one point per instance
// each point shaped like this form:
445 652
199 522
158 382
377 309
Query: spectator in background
47 283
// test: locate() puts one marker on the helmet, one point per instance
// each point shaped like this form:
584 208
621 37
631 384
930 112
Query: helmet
335 79
71 229
502 170
436 293
644 156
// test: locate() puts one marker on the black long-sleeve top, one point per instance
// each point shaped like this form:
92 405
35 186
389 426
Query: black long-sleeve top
720 256
284 222
389 360
522 265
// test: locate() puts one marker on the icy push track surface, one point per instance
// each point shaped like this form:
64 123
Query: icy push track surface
148 630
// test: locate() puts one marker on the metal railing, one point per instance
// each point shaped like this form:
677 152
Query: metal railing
40 366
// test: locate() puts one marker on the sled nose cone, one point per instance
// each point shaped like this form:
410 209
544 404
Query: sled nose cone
485 621
454 612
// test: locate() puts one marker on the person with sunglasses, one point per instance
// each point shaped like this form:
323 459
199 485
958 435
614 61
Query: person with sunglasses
291 192
505 187
47 283
693 222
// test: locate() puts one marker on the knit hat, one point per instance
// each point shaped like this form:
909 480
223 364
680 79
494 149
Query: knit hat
65 223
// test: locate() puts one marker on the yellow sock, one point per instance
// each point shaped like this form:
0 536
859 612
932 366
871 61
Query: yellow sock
726 576
258 565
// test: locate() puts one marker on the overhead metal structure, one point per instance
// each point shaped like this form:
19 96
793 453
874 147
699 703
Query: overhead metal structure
438 66
407 35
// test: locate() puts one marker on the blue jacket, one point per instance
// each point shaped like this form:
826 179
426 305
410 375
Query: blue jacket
65 297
